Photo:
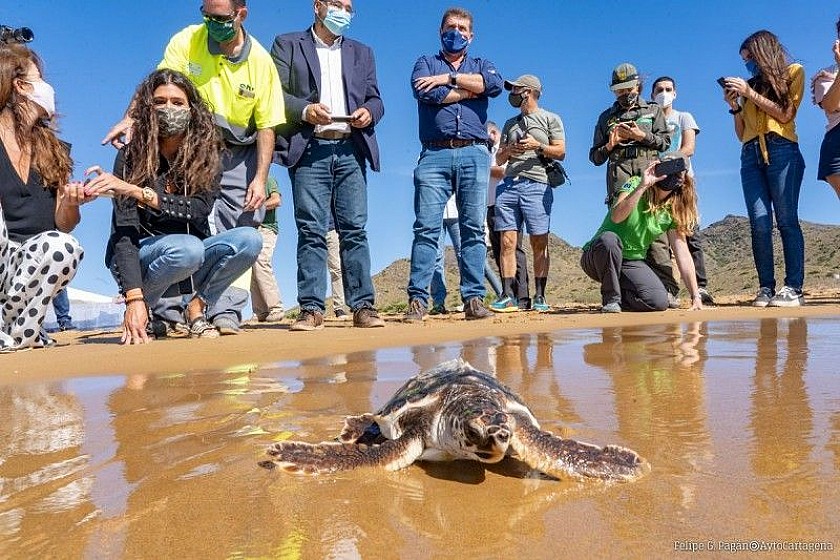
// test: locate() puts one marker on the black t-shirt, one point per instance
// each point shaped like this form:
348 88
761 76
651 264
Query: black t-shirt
29 208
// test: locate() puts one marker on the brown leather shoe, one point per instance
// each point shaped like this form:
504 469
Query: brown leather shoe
308 321
475 310
367 318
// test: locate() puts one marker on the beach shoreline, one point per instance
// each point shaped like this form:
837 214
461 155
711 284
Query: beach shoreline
98 353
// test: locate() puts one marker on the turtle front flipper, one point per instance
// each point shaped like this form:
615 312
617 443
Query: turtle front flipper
361 429
562 457
307 458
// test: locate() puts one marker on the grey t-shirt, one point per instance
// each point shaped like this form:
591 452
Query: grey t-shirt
544 126
679 121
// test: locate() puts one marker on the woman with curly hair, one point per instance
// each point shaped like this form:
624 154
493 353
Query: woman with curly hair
164 184
39 203
645 207
764 108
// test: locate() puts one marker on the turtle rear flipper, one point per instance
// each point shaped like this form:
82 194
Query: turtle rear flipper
306 458
561 457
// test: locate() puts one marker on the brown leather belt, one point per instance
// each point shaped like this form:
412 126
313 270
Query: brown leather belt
452 143
332 135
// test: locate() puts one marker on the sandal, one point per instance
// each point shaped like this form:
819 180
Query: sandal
200 328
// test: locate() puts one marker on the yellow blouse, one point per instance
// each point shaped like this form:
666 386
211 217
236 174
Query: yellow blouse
758 124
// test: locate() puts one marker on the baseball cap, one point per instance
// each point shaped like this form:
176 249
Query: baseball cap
525 80
624 76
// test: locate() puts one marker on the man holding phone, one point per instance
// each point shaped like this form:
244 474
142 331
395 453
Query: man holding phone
629 134
332 105
683 130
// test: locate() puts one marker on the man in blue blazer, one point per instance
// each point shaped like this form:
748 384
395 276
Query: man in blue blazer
332 105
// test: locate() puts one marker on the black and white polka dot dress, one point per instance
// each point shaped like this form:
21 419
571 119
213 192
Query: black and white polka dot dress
31 274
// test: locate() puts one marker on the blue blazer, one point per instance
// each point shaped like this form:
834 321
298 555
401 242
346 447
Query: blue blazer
300 73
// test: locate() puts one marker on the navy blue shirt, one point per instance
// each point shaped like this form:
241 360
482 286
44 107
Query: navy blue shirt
466 119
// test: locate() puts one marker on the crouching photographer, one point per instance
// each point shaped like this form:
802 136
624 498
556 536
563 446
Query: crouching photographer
660 200
525 195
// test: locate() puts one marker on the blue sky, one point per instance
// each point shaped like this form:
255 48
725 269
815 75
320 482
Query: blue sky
96 51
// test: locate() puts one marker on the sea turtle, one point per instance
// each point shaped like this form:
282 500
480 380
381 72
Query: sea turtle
453 412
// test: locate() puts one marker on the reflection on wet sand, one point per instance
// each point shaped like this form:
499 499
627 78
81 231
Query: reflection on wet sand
739 421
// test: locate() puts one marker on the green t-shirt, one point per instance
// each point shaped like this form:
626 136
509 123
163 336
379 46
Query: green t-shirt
640 228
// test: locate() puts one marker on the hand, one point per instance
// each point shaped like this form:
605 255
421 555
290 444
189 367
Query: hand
273 201
649 176
255 197
361 118
120 133
731 99
613 140
73 194
738 85
696 303
632 131
105 182
317 113
426 83
528 143
134 323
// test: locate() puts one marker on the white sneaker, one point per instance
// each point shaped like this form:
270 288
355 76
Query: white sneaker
762 299
787 297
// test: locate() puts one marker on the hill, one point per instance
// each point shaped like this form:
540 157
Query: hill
729 266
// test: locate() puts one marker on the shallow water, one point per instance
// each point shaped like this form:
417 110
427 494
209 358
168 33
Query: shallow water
739 420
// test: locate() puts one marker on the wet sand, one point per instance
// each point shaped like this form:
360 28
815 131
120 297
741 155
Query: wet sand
151 452
99 353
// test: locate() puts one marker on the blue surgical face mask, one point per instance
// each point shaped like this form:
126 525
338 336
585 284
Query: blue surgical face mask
337 21
453 42
752 68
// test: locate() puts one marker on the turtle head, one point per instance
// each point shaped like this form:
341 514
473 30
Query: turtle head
486 435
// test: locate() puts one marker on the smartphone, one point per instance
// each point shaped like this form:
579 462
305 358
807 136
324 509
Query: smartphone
342 118
722 82
669 167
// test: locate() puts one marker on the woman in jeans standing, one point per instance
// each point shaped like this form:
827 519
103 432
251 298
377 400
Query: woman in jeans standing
764 108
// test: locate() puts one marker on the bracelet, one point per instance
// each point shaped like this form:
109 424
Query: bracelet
735 111
133 299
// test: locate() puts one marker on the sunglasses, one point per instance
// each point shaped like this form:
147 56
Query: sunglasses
225 19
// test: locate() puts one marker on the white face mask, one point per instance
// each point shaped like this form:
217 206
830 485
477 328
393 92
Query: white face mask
664 98
44 95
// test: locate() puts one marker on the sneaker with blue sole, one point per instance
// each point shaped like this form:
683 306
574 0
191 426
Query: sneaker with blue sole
504 305
540 305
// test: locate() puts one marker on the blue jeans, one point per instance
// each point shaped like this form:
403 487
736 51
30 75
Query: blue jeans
331 176
61 305
440 172
775 185
438 285
213 263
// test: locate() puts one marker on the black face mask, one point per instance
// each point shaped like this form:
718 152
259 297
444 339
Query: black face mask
516 99
627 100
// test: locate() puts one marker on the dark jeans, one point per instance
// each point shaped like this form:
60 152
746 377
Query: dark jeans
631 283
331 176
774 187
61 305
520 281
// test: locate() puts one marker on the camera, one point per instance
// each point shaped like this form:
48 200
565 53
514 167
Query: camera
10 35
669 167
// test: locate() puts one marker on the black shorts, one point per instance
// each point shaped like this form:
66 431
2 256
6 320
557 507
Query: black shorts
829 154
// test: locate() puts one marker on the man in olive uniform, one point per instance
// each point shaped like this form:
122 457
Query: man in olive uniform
630 133
628 136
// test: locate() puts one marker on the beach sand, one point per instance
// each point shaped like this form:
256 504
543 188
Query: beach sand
99 352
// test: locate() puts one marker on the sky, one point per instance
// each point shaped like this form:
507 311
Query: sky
97 51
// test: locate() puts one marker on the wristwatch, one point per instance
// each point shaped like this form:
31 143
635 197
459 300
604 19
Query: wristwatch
453 79
148 195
